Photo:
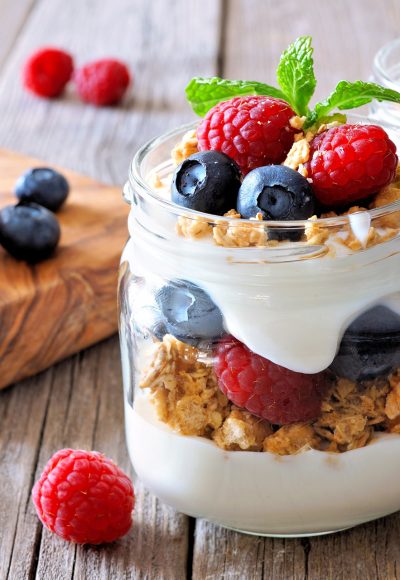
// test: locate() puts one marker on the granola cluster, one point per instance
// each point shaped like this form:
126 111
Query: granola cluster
184 390
245 234
186 147
185 393
350 412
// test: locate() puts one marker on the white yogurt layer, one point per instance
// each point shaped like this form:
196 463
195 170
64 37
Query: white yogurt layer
293 312
313 492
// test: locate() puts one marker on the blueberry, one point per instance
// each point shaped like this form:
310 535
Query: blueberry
370 347
278 193
188 313
44 186
207 181
28 231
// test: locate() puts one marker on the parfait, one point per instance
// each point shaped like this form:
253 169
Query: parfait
260 307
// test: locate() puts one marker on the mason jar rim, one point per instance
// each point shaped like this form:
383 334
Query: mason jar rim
138 181
380 66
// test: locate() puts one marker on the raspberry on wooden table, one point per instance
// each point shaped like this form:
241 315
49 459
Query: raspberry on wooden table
265 389
83 497
102 82
253 130
47 71
350 162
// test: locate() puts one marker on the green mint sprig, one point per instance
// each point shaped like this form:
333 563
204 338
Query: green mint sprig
295 74
296 79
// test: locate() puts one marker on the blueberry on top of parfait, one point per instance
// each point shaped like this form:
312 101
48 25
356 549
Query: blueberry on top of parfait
207 181
278 193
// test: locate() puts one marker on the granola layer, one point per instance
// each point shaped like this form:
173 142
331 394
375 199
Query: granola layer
234 234
186 396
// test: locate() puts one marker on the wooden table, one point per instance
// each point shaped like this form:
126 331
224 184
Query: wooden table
78 403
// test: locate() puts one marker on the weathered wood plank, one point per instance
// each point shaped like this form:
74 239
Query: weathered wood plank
13 17
157 545
346 35
370 551
233 556
69 422
24 411
83 409
216 548
82 406
101 142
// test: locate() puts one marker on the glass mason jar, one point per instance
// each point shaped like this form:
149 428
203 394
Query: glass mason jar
313 306
386 72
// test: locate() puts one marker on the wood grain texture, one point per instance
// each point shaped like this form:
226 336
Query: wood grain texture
79 402
100 142
346 36
13 17
66 303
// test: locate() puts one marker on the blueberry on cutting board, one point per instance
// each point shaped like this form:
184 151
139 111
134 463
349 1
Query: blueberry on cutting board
370 347
188 313
208 181
44 186
28 231
278 193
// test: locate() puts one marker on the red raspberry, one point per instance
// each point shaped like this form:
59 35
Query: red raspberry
102 82
83 497
265 389
254 130
47 71
350 162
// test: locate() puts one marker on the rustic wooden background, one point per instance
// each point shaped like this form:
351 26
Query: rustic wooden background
78 403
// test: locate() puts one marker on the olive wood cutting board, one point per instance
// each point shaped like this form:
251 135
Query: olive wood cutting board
62 305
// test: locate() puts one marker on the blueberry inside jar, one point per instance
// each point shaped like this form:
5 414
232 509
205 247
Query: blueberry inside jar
259 322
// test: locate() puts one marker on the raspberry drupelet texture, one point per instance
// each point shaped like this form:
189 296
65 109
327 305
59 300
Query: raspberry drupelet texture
83 497
102 82
47 71
265 389
252 130
350 162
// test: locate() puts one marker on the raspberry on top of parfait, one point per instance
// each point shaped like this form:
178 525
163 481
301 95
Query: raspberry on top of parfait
252 130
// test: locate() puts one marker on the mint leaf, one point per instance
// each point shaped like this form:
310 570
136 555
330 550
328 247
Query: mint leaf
203 93
349 96
295 74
